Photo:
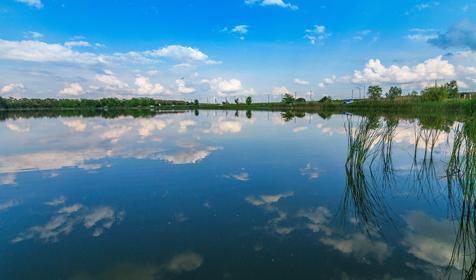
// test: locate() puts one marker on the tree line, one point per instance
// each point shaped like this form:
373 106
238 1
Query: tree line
52 103
435 93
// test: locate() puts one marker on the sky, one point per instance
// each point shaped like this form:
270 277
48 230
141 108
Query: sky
216 50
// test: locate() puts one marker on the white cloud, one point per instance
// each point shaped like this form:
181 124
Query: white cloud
280 90
421 34
301 82
241 29
72 44
12 88
76 125
328 81
33 34
36 51
145 87
17 127
9 204
432 69
33 3
73 89
360 246
430 240
179 52
316 34
267 199
8 179
225 87
318 219
189 157
110 81
182 87
278 3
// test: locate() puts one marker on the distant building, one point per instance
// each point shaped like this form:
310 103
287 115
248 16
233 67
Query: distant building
468 95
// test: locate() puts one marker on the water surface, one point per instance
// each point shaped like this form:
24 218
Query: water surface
236 195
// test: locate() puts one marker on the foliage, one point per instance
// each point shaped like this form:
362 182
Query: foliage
51 103
394 92
237 101
249 100
288 98
325 99
375 92
453 91
196 102
437 93
301 100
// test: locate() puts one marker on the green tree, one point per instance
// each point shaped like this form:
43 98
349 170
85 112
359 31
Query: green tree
453 90
196 102
438 93
288 98
237 101
375 92
394 92
249 100
325 99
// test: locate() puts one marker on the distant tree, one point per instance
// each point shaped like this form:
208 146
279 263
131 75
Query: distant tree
325 99
414 93
453 90
196 102
288 98
438 93
301 100
375 92
394 92
249 100
237 101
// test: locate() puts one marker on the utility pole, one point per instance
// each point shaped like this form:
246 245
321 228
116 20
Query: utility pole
310 94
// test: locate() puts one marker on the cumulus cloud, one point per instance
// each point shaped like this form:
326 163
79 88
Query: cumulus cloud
461 35
10 88
360 246
301 82
36 51
224 87
428 239
73 89
267 199
191 156
76 125
145 87
33 3
110 81
97 220
183 88
432 69
179 52
241 30
328 81
280 90
278 3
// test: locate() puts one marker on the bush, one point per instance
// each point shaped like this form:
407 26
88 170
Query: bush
438 93
325 99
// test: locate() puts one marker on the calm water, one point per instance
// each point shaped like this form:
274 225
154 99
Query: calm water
215 195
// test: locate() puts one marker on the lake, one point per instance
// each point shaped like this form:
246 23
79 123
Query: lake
236 195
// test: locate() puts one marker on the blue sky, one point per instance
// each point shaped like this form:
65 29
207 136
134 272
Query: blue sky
224 49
